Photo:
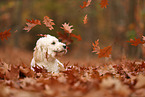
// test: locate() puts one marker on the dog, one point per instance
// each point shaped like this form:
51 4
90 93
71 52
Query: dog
45 52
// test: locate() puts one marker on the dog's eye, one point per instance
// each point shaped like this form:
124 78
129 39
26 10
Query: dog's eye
53 43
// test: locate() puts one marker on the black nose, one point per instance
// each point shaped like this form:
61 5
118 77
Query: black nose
64 47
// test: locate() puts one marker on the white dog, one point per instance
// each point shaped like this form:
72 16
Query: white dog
47 48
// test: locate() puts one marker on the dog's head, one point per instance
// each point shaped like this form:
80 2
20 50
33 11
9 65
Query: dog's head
49 46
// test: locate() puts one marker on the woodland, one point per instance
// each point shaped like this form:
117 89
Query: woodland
105 41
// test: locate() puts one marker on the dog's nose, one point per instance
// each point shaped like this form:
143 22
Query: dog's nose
64 47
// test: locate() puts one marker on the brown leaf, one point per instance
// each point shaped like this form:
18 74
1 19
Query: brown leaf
37 22
67 28
29 27
31 23
104 3
5 34
86 4
48 22
65 38
136 41
105 52
85 19
13 73
78 37
96 48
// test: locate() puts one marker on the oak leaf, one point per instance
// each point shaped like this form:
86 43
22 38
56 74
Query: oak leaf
65 38
34 21
48 22
104 3
105 52
85 4
5 34
67 28
78 37
85 19
136 41
96 48
29 27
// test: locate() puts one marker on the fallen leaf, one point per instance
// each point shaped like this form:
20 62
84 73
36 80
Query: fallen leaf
48 22
104 3
5 34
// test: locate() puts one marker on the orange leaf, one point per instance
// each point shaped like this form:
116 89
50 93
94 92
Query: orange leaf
104 3
96 48
34 21
29 27
85 19
67 28
48 22
44 35
76 36
31 23
86 4
5 34
65 38
105 52
136 41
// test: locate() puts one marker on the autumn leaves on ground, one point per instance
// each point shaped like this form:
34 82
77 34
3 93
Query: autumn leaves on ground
123 78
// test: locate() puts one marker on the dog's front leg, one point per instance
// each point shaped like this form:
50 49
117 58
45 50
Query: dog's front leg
60 65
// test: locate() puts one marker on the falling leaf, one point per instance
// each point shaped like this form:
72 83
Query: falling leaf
31 23
5 34
85 19
86 4
34 21
44 35
48 22
67 28
29 27
105 52
136 41
96 48
65 38
76 36
104 3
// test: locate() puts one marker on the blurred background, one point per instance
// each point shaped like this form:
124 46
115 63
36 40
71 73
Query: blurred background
121 21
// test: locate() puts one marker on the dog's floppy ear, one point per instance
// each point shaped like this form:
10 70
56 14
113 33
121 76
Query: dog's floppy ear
38 53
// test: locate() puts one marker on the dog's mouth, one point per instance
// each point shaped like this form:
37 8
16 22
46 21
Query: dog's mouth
60 53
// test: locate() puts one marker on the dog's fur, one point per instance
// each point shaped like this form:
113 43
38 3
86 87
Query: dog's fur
47 48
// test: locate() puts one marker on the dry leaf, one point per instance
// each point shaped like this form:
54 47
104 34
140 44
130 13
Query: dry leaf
67 28
48 22
104 3
5 34
105 52
96 48
85 19
136 41
31 23
86 4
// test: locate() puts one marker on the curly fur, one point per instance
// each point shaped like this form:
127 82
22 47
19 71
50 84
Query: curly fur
47 48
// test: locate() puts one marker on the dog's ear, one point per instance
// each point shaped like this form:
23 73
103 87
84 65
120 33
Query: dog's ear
38 53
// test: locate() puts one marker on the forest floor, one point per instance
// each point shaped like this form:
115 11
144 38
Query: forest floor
83 77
